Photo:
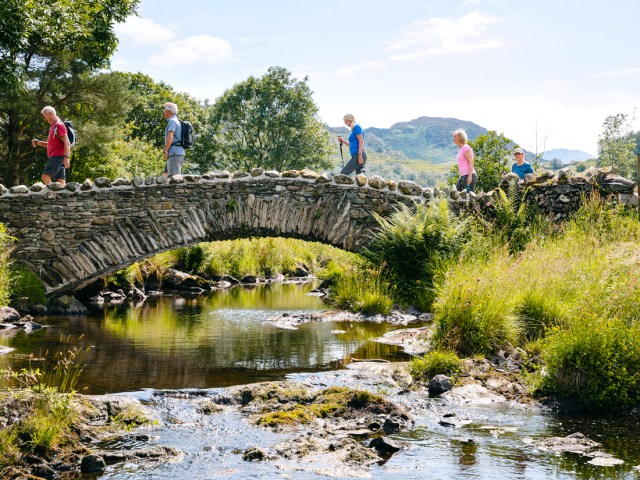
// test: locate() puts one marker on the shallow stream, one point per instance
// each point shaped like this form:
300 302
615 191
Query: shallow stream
202 344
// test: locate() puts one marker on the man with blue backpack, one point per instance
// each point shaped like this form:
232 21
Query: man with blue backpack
58 147
178 135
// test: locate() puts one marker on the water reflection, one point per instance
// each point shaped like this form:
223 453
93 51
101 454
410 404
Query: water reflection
203 342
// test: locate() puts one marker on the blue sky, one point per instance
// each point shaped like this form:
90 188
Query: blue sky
545 73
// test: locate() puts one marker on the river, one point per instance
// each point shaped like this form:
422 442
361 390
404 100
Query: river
211 342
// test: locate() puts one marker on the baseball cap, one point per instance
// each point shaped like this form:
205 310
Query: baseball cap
518 150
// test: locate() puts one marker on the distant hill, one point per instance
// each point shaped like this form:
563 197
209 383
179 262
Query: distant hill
567 156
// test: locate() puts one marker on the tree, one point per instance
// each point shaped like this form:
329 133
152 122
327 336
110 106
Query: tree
616 145
491 157
48 52
269 122
556 164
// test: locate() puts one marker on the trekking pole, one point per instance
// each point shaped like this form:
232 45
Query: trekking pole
341 155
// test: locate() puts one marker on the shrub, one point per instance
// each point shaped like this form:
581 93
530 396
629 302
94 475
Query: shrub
435 363
24 283
475 313
191 258
411 245
362 290
597 361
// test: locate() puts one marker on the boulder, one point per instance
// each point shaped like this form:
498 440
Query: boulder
439 385
9 315
67 305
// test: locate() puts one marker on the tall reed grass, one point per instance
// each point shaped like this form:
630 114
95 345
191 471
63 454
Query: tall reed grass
577 291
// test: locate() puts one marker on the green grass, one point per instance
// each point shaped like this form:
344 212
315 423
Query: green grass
362 290
577 291
25 283
6 246
435 363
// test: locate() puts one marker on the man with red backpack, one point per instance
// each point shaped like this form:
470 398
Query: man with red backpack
58 148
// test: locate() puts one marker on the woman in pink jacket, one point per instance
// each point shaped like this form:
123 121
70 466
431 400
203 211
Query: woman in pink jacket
468 175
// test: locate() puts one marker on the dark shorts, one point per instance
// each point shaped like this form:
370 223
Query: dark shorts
461 184
55 168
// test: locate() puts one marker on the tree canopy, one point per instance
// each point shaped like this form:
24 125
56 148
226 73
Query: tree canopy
617 145
48 53
270 122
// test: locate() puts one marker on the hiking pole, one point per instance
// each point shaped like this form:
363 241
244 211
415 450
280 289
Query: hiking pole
341 155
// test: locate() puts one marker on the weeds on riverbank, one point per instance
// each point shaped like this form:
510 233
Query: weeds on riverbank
363 290
48 423
435 363
6 245
25 283
577 291
412 246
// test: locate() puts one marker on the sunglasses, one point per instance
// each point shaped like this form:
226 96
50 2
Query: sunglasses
517 153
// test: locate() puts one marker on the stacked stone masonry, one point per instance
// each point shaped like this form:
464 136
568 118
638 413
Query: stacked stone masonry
69 236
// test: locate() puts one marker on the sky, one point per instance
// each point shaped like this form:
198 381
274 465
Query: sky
545 73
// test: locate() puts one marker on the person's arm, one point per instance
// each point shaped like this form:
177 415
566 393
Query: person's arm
67 151
343 141
469 156
360 148
38 143
168 143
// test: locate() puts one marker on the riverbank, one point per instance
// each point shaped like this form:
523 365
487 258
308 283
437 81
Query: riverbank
350 423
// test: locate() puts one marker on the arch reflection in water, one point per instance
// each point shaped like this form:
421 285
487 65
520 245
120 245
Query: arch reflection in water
203 342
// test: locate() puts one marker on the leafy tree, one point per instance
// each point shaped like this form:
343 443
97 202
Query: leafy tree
616 145
556 164
491 158
270 122
48 51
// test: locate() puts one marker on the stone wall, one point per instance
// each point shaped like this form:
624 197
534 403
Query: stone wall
71 235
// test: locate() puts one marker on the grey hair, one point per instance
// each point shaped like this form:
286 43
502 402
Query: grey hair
171 107
462 135
48 109
349 116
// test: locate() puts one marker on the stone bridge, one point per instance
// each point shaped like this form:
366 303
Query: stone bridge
70 236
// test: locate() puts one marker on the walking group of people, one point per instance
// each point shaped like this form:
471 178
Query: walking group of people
59 147
59 150
465 158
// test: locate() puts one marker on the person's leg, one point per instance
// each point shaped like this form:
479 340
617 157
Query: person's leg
51 170
461 184
360 169
174 165
474 179
61 176
350 166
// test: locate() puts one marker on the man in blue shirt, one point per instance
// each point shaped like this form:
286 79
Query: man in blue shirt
521 168
173 150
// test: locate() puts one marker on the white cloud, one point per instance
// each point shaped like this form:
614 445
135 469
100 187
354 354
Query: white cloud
143 31
619 73
190 50
443 36
354 68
